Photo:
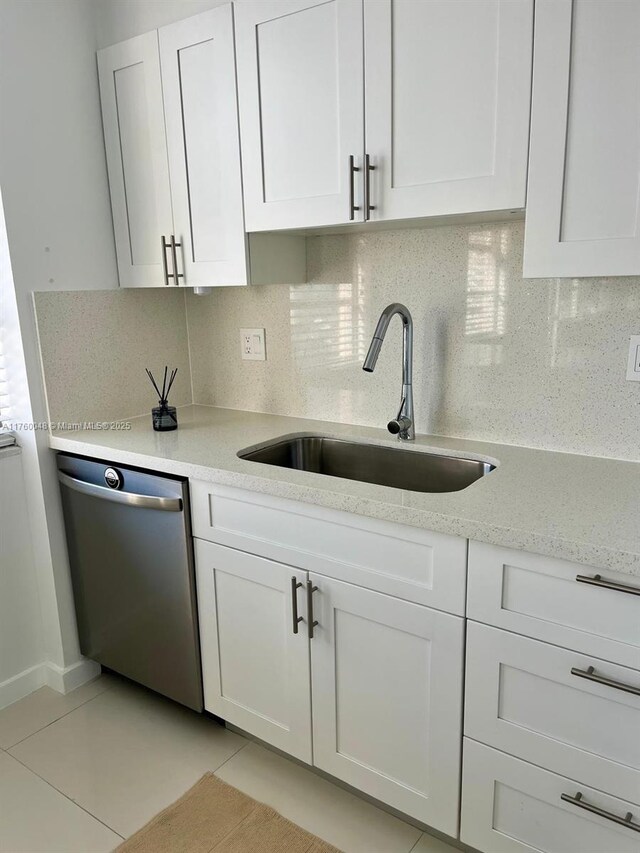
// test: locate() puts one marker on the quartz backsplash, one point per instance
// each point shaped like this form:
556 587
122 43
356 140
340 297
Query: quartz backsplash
95 345
535 362
497 357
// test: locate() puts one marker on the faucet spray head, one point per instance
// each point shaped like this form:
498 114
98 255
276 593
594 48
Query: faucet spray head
372 356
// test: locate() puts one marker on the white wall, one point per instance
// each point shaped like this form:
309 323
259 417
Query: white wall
54 187
21 641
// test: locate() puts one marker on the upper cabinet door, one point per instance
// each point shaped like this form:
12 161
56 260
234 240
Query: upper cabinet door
583 208
201 113
300 83
133 119
448 89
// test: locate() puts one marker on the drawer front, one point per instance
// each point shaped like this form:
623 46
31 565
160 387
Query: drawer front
522 698
540 597
417 565
510 806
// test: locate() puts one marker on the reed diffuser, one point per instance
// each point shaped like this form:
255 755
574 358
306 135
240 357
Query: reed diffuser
163 416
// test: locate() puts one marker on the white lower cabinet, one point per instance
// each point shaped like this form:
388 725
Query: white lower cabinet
387 677
510 806
551 753
387 699
339 662
255 669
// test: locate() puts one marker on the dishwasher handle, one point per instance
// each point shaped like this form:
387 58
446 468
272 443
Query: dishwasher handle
129 498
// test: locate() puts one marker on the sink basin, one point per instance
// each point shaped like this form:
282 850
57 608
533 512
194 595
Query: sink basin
413 470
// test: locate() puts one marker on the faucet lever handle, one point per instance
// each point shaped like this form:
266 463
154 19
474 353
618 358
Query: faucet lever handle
402 424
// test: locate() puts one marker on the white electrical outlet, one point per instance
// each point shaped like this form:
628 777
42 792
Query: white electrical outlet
252 345
633 365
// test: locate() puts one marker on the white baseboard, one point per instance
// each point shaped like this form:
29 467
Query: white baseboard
22 684
58 678
68 678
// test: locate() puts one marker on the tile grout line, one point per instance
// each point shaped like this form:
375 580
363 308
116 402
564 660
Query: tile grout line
237 752
57 719
66 796
420 837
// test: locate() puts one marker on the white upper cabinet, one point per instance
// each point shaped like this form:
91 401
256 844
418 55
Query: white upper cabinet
447 95
170 120
300 81
133 119
199 89
430 99
583 209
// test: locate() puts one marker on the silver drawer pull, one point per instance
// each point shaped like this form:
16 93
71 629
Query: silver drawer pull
623 821
165 246
352 204
311 621
591 675
368 168
295 585
174 257
598 580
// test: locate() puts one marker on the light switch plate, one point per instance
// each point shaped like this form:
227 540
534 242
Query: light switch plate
633 365
252 344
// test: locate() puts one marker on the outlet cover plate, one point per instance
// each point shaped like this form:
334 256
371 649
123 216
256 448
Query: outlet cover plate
633 365
253 345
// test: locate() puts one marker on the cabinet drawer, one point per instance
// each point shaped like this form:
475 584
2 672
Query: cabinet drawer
528 698
544 598
417 565
509 806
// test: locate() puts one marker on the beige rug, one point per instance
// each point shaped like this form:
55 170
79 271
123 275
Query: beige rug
213 816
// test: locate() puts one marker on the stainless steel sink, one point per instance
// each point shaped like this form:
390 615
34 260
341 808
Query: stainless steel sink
371 463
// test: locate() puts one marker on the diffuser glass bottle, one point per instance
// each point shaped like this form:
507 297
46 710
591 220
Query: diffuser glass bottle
163 416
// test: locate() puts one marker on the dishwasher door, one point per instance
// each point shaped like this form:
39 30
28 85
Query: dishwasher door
132 570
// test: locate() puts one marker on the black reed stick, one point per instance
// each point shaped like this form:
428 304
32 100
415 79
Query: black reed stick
171 378
153 382
163 396
164 384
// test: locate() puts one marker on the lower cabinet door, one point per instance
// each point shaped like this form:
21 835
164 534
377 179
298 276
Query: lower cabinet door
387 699
510 806
255 667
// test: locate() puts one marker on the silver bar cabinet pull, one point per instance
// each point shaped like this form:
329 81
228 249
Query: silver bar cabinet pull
623 821
368 207
311 621
165 246
352 170
295 584
591 675
598 580
174 257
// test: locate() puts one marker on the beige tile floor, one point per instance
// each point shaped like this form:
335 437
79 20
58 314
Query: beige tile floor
80 772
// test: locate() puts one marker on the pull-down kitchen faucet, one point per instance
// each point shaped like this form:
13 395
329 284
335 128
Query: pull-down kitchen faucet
402 425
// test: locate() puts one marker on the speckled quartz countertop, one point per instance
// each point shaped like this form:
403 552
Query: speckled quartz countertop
579 508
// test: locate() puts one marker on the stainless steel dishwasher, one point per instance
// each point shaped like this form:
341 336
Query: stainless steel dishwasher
131 556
